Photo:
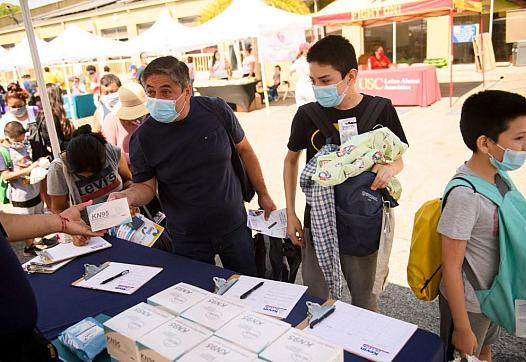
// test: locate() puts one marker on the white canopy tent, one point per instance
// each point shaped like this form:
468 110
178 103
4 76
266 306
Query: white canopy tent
76 44
20 55
245 19
164 36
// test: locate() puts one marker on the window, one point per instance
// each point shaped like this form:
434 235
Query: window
376 35
141 28
118 33
411 41
189 20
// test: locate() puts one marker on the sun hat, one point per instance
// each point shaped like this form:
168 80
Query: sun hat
132 100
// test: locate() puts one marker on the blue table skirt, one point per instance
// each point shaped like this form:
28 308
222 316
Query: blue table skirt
61 305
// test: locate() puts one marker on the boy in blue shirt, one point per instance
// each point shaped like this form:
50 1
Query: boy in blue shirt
493 126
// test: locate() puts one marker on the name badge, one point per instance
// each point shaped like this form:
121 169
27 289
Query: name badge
348 128
109 214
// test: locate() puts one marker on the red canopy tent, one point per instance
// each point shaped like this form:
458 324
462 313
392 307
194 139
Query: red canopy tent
366 12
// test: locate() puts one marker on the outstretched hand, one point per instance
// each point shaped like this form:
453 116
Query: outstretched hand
74 224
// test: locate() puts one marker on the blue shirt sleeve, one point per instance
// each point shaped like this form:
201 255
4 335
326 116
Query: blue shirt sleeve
141 169
231 122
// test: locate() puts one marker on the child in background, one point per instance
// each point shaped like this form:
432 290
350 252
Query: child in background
493 126
273 89
24 197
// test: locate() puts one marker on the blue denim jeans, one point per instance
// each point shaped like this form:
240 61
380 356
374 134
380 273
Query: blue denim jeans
236 250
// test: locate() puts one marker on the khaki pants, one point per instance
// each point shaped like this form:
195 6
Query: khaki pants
358 271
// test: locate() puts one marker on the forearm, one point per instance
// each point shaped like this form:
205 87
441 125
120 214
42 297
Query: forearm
396 166
21 227
139 194
455 295
290 181
14 175
255 174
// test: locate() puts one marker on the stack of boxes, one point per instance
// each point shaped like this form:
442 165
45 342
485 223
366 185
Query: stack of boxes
186 323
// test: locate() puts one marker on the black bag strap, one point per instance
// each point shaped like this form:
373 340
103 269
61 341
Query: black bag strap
367 122
372 112
444 199
320 119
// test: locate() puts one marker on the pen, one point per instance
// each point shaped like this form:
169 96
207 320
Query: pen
272 225
122 273
248 292
314 322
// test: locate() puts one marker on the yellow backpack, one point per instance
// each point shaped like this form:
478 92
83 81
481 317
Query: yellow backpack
424 269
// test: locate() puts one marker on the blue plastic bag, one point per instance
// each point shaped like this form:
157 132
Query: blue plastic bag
85 339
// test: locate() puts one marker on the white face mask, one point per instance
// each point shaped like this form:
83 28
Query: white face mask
110 100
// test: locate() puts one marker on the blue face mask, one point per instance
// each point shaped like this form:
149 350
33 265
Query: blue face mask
327 95
18 112
163 110
512 160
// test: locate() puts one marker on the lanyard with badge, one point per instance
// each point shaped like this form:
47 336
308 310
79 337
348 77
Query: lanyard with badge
347 128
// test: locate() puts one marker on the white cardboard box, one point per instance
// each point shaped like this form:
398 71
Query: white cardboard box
296 345
178 298
253 331
171 340
123 330
214 312
216 349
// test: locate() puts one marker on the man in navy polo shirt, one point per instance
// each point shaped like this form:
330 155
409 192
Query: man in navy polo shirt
183 151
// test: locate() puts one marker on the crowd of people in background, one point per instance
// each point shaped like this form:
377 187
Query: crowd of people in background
137 145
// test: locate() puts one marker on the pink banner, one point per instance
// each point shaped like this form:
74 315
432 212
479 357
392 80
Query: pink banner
381 11
411 86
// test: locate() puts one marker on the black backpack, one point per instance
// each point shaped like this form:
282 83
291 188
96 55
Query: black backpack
359 210
276 259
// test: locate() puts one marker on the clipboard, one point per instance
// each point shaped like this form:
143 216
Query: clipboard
64 251
305 323
270 297
110 277
364 333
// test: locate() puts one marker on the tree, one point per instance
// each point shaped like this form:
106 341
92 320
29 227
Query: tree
216 7
8 9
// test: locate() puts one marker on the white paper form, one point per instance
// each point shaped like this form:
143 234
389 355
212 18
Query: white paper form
273 298
275 226
364 333
65 251
136 277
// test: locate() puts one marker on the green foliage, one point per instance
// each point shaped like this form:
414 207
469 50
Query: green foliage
216 7
6 9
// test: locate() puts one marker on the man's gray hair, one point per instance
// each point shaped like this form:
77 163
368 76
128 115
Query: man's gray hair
171 66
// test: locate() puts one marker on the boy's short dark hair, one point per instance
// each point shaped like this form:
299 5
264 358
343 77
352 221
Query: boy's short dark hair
14 129
91 68
336 51
277 66
488 113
